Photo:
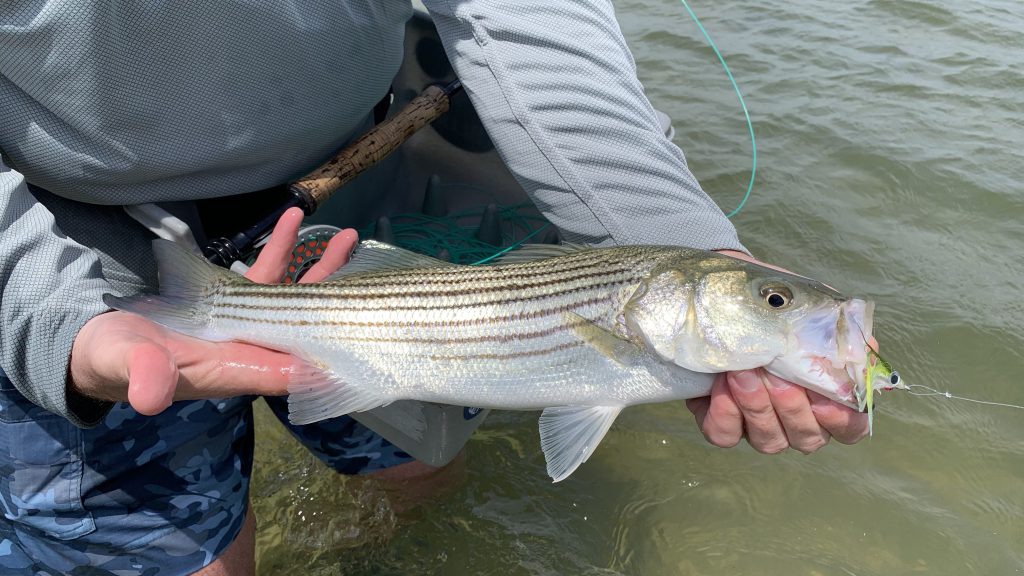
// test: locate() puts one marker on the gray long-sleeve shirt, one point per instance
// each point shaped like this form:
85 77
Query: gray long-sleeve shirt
111 102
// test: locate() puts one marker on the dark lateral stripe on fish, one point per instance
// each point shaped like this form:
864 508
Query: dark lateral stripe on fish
505 300
462 274
401 289
502 337
380 291
576 261
451 277
530 315
554 288
561 288
466 274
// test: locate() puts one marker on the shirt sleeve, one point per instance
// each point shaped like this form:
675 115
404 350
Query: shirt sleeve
555 86
50 286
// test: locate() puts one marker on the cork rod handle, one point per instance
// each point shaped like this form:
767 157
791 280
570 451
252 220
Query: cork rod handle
373 146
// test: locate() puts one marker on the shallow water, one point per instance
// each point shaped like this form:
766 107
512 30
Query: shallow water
889 139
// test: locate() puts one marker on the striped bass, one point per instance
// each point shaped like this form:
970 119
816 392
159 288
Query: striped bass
578 333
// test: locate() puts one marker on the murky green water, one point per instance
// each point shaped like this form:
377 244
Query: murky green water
890 136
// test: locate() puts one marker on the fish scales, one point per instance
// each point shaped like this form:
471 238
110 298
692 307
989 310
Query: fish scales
466 330
457 328
579 333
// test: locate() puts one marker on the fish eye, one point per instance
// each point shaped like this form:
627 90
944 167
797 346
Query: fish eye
894 378
777 296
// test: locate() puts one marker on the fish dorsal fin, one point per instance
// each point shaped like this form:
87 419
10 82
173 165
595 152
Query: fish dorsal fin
618 349
531 252
569 435
374 256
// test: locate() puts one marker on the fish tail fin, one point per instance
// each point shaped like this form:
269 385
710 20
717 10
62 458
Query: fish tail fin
186 280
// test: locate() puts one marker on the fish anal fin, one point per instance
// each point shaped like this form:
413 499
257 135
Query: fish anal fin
569 435
315 394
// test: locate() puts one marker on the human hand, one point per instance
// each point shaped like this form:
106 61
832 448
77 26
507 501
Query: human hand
773 414
119 356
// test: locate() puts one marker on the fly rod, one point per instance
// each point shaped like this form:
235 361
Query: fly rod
311 191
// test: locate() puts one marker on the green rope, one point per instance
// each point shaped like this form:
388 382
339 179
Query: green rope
512 247
456 232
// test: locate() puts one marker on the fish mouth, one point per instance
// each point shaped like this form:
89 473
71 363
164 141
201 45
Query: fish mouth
829 352
855 349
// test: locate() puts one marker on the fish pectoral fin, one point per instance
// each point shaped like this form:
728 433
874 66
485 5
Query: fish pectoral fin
374 256
569 435
618 349
315 394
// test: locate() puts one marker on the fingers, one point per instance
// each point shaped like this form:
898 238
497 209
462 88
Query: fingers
123 357
718 415
844 424
699 408
773 414
152 378
116 348
272 262
764 430
336 256
236 368
793 408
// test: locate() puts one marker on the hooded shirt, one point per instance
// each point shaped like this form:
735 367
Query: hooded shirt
106 103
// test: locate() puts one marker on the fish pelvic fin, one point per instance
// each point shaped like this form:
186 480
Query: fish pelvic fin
315 394
569 435
186 282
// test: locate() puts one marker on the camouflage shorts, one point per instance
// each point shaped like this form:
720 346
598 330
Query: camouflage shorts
142 495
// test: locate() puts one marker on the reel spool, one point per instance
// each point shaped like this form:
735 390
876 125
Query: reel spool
309 248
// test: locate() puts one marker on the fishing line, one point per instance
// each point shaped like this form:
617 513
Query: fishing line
513 246
934 392
746 113
429 235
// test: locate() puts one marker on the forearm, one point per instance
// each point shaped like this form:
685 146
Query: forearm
50 286
556 88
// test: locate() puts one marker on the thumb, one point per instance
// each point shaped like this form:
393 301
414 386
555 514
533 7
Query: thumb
152 378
